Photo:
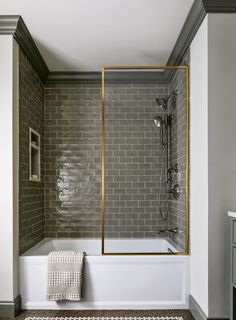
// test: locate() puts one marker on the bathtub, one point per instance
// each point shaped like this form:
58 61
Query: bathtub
110 282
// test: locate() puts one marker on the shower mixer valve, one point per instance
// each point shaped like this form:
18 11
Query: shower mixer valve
170 173
175 191
174 169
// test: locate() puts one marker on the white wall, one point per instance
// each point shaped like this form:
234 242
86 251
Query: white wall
213 160
199 167
8 185
222 155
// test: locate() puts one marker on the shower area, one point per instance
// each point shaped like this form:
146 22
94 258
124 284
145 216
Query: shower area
109 160
145 160
112 180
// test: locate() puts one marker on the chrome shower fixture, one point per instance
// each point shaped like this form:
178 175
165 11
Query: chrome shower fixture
164 216
162 123
173 231
175 191
158 121
163 101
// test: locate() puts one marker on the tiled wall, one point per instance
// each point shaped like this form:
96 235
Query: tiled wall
31 194
134 160
177 107
72 160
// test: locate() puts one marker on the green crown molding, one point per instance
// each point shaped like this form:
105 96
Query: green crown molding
220 6
196 15
192 23
110 76
14 25
74 77
8 24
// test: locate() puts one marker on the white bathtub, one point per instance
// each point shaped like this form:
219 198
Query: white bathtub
110 282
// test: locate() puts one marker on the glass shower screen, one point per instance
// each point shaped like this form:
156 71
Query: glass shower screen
145 160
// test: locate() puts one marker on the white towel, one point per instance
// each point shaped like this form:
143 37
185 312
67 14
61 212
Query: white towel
65 275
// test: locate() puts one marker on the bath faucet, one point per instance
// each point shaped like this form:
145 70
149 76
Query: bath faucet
174 231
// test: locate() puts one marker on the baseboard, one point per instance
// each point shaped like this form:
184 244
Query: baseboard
104 305
197 311
10 309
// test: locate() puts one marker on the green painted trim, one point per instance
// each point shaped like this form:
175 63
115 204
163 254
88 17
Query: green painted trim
25 40
10 309
190 28
111 77
194 19
198 313
196 15
218 318
74 77
8 24
14 25
220 6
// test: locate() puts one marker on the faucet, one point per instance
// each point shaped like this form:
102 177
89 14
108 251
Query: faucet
174 231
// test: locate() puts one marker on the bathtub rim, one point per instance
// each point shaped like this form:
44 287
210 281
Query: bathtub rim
30 252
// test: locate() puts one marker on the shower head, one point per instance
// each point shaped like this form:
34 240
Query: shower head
158 122
162 102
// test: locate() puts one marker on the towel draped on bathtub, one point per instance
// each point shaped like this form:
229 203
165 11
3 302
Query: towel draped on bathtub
65 275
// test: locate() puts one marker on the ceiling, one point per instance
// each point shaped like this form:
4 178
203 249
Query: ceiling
83 35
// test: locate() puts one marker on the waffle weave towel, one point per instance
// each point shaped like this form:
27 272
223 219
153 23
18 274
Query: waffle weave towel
65 275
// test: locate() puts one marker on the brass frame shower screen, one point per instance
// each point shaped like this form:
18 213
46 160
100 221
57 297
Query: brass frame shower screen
167 70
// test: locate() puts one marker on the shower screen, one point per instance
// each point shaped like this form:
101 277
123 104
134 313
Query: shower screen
145 145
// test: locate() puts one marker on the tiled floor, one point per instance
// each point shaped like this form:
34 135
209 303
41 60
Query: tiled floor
105 313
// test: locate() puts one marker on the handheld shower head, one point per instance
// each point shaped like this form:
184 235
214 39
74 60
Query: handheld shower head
158 121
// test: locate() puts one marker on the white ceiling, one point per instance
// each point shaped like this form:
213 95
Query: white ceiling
83 35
